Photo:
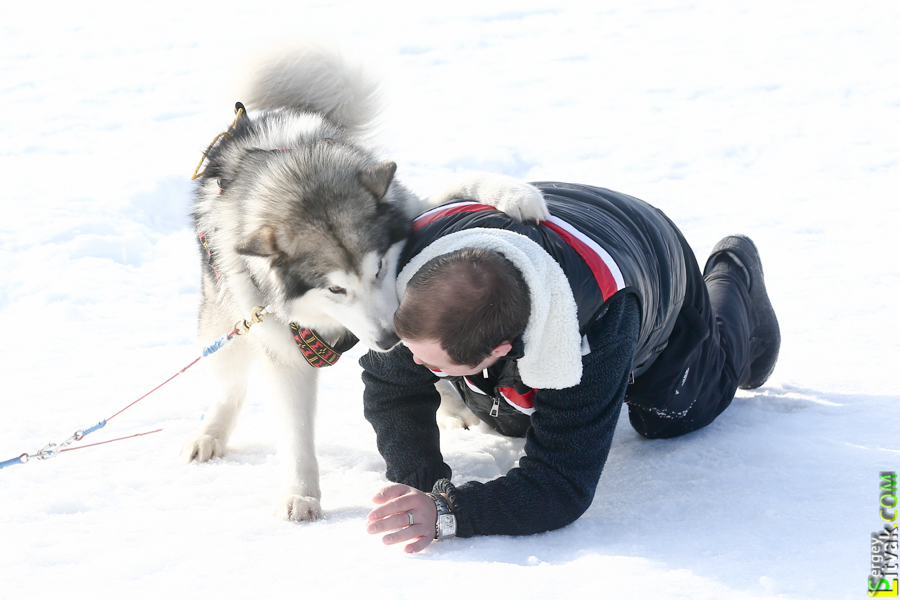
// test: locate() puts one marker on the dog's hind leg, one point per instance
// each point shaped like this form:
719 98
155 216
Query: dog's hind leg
229 367
293 387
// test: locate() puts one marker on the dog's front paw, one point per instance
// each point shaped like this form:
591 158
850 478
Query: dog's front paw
457 421
519 200
453 412
202 447
293 507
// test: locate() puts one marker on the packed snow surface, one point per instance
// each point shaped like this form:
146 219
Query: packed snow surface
780 120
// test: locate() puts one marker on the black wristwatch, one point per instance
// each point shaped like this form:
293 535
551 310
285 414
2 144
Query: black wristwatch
445 527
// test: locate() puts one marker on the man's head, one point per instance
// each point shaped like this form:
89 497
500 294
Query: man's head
465 307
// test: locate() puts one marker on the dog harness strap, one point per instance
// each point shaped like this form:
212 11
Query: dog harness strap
238 111
210 260
316 352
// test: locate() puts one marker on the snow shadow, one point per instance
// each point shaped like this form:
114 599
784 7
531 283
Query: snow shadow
778 476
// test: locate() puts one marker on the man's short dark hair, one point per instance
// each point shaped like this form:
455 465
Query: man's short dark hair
470 300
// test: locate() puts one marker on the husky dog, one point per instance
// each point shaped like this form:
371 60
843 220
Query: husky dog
296 211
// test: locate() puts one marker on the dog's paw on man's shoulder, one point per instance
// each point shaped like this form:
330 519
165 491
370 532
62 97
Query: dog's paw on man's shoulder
518 199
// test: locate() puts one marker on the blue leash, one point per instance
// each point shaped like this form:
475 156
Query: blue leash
52 450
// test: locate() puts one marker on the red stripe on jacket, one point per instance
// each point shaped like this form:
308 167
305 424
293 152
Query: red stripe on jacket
523 402
602 274
434 215
606 281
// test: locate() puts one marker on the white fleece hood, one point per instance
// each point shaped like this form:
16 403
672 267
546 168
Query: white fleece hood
553 347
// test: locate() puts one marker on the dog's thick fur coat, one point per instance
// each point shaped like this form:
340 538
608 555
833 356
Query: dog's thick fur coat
301 215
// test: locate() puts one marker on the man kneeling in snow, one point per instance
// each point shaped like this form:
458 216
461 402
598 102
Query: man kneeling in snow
545 329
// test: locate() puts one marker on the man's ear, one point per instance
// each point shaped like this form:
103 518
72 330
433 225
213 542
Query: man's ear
501 350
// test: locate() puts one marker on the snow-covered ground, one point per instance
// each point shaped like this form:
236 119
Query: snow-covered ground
780 119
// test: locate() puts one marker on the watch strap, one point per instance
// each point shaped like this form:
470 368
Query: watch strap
445 526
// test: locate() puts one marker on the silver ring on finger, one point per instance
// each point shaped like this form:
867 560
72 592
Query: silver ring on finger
412 518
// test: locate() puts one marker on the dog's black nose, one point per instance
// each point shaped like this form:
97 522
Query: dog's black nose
388 341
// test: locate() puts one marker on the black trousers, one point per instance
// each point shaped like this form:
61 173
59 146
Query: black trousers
694 378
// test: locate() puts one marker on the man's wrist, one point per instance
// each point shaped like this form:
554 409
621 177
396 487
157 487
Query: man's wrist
445 526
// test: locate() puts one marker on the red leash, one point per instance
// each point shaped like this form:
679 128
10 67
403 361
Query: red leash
108 441
51 450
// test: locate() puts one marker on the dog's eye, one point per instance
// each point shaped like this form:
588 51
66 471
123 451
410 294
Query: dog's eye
337 290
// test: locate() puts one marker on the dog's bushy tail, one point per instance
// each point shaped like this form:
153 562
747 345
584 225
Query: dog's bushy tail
318 78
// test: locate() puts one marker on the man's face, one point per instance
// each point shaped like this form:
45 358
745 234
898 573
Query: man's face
430 354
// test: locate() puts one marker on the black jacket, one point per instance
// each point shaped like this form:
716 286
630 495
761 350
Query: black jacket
570 431
639 238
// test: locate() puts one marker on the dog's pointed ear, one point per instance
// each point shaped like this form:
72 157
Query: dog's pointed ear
376 179
261 242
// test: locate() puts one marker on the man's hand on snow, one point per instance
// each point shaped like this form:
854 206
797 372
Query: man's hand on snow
397 503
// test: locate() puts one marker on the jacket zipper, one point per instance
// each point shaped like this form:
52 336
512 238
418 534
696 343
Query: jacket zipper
495 409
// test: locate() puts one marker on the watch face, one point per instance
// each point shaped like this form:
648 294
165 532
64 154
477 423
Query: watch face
447 525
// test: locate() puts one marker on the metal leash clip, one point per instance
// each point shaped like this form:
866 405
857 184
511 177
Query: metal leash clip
52 450
257 315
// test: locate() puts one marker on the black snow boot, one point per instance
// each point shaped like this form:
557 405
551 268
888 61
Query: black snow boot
765 339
